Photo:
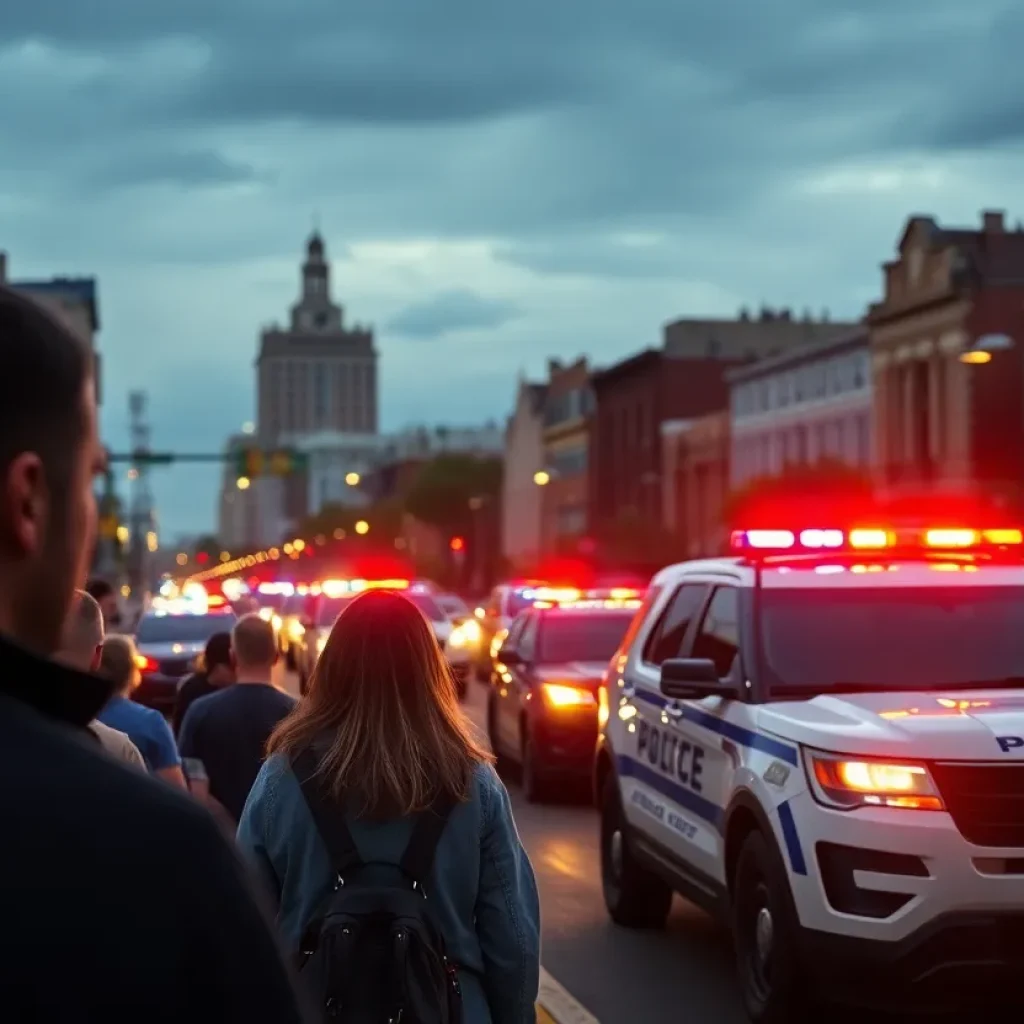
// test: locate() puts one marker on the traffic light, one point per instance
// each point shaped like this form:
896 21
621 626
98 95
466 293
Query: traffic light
248 463
253 462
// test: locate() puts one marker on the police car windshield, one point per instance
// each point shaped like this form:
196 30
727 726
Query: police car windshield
584 636
453 605
894 638
182 629
430 608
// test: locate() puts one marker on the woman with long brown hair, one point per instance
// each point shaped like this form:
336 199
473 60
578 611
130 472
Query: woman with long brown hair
377 756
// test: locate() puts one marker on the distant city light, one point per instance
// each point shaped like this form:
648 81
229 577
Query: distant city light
152 541
243 483
975 357
339 534
123 534
352 479
362 527
248 427
182 558
225 556
299 544
542 478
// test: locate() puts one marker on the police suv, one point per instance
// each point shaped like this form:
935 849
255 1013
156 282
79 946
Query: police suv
821 740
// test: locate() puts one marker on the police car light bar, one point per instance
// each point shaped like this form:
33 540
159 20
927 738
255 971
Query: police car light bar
873 538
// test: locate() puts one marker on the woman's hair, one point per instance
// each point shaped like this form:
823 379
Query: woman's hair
383 700
118 661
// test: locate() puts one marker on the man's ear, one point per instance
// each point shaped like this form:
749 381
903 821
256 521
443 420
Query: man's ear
97 657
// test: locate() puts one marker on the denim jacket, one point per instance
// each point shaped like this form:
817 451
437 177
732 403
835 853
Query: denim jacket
483 892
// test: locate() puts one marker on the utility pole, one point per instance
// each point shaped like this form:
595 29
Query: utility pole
141 517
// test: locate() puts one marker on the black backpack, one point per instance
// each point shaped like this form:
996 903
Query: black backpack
373 954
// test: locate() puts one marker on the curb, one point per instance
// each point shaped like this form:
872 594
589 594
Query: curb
556 1006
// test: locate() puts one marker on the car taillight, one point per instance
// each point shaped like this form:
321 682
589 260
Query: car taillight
144 664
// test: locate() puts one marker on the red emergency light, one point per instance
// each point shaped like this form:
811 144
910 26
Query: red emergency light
874 538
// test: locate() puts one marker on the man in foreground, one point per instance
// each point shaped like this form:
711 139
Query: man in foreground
82 648
102 865
224 736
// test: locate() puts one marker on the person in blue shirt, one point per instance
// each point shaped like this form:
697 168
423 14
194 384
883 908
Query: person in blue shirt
383 720
146 728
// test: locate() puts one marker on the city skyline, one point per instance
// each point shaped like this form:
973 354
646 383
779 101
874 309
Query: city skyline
555 185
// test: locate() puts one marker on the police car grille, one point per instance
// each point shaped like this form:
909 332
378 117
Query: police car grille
174 667
986 801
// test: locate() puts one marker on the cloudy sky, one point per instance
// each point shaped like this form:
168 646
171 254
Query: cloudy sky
496 182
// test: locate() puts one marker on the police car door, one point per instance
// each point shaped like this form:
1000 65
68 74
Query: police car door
702 747
655 782
520 639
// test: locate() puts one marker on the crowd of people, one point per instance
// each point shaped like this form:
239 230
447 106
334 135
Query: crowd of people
372 870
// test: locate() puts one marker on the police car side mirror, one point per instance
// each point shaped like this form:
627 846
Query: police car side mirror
693 679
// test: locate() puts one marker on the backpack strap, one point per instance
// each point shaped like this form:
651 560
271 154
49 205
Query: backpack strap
327 815
426 833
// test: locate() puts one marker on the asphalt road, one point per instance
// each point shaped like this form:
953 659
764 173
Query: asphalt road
683 973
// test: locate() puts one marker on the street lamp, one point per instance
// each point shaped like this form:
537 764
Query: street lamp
542 478
352 479
983 348
242 483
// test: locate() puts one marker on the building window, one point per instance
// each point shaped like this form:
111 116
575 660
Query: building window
321 390
860 370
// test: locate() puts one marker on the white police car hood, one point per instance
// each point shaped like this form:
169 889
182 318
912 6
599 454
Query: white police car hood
961 725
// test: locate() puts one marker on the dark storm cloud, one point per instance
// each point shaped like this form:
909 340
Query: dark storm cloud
516 119
194 168
451 311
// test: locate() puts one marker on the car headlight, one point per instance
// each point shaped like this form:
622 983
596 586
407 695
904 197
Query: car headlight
499 639
559 695
845 783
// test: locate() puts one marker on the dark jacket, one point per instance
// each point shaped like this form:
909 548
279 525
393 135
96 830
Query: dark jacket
119 899
190 689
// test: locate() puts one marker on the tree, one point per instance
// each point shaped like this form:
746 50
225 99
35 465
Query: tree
827 487
450 488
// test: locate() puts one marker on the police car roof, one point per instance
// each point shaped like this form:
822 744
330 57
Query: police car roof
853 571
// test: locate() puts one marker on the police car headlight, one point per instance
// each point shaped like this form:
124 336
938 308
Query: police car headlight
846 783
558 695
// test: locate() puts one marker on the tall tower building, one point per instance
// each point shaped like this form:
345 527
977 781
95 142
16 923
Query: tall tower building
318 374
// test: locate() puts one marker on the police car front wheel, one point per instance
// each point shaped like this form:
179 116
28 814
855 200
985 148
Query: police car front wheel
765 935
634 896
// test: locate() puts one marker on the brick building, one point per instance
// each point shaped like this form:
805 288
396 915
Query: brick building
521 498
695 470
568 405
749 335
946 341
632 400
801 406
